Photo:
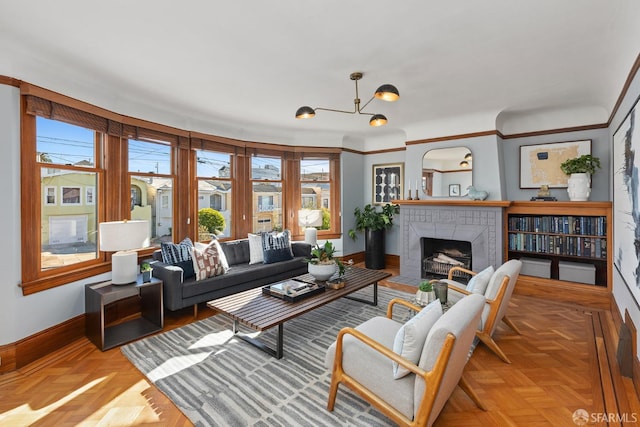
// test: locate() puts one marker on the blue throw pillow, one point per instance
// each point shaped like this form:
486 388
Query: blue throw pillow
179 255
276 247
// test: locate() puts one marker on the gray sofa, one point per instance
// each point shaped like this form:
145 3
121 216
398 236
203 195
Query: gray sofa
179 293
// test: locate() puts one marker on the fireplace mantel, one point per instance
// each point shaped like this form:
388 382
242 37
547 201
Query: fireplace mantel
454 202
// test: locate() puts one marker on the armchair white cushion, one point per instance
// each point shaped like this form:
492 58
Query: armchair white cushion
362 360
410 338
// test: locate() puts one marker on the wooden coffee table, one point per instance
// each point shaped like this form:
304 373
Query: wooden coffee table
261 312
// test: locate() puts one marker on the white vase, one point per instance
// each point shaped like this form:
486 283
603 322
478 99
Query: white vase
579 187
424 298
322 272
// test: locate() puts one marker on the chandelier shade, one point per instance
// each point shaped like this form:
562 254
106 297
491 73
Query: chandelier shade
386 92
378 120
305 113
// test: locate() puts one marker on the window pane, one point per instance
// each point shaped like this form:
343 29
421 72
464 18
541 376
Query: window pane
64 144
69 228
317 196
213 165
214 209
149 157
267 206
266 168
315 189
153 201
314 170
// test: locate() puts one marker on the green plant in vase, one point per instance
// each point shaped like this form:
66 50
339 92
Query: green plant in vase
580 170
425 293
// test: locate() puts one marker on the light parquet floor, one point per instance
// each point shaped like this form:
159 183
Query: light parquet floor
563 361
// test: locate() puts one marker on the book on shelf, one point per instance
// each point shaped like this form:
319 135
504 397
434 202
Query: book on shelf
559 224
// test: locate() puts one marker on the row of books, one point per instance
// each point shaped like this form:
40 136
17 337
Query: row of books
582 225
592 247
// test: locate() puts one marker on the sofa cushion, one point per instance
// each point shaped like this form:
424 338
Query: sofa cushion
207 261
276 247
236 251
410 338
241 274
256 254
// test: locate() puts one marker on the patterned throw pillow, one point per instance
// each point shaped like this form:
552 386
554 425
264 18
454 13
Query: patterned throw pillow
276 247
173 253
207 262
411 336
179 255
255 249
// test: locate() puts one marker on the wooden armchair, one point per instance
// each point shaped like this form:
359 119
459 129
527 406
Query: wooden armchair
362 360
498 293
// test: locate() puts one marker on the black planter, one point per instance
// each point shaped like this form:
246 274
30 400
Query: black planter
374 249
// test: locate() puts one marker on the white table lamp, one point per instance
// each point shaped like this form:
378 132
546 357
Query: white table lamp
122 237
309 219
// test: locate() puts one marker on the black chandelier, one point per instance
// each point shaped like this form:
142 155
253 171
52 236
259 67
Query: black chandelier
385 92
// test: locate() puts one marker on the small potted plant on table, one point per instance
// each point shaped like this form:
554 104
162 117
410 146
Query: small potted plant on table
425 293
145 269
322 265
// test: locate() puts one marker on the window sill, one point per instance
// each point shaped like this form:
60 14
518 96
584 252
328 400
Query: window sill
49 282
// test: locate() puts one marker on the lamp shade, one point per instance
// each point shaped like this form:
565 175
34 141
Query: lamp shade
378 120
305 112
310 217
387 92
123 235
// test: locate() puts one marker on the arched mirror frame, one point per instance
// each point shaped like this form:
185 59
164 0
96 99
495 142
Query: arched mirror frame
444 173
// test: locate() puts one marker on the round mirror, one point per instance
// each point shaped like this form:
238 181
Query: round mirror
447 172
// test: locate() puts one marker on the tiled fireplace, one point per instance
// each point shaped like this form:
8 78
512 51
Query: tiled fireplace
479 223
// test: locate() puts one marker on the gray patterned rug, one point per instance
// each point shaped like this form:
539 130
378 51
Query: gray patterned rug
218 380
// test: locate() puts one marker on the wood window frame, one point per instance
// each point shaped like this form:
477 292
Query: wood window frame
112 193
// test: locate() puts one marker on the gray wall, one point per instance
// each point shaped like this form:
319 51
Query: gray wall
600 147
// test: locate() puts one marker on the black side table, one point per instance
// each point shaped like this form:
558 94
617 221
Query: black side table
98 295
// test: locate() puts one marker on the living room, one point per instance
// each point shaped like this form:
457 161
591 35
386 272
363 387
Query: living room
494 136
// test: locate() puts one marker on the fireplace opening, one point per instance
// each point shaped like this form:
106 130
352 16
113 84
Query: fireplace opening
439 255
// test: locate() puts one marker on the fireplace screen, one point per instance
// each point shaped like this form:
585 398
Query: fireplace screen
440 255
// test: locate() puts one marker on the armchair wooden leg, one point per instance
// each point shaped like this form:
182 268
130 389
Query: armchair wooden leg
510 324
472 394
333 391
489 342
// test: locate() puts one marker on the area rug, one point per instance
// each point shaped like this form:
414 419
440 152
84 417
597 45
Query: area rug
218 380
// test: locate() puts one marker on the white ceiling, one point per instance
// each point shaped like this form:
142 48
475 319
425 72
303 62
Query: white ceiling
241 69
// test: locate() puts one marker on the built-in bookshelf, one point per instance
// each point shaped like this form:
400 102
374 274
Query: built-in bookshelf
555 234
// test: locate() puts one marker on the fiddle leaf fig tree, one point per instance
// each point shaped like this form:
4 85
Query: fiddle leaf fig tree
371 218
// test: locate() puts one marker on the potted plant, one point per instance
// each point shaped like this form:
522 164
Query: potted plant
425 293
322 265
145 269
580 170
373 223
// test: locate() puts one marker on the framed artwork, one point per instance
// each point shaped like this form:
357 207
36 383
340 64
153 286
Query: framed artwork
454 190
388 182
540 164
626 201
